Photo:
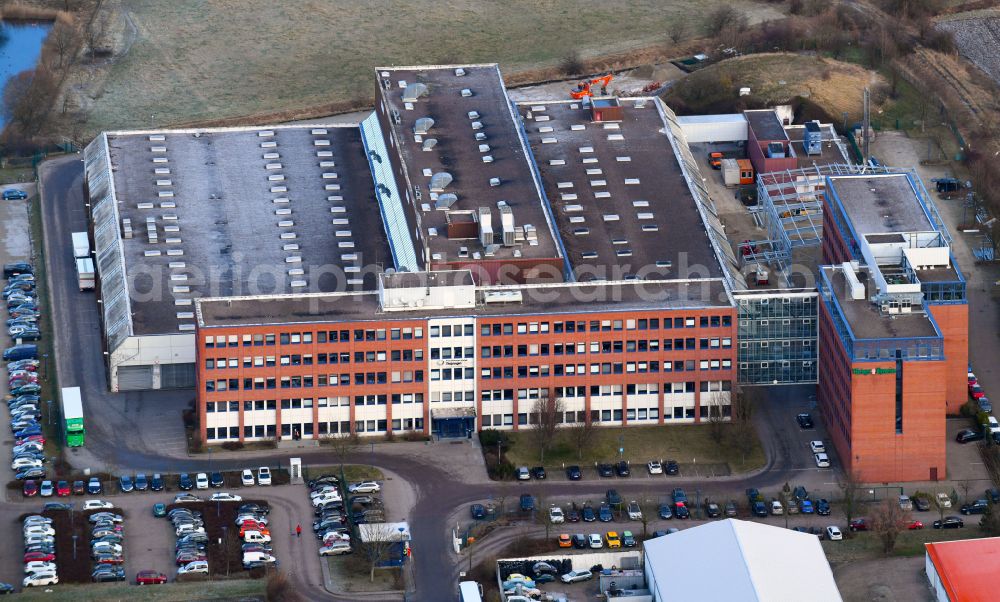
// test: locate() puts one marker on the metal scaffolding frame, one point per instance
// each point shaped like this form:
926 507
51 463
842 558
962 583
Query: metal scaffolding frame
790 208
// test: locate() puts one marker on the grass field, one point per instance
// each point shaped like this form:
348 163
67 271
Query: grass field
192 60
867 546
242 589
352 472
689 445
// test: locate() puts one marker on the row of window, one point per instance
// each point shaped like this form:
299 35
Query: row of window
408 355
307 402
309 381
607 390
321 359
542 371
500 329
651 345
306 338
306 429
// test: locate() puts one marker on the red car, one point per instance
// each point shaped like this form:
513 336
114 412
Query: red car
149 578
858 524
39 557
975 391
30 488
37 438
62 489
915 525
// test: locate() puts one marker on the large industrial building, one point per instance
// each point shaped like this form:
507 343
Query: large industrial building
457 259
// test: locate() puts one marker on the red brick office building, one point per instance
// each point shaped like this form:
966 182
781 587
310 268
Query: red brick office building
893 328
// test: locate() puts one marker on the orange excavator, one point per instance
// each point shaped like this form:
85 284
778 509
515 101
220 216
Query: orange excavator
585 88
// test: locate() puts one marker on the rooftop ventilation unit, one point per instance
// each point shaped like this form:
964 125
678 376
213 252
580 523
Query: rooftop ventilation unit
494 182
502 296
459 72
395 116
440 181
480 136
429 144
506 223
485 226
423 125
446 200
775 150
812 139
414 91
466 92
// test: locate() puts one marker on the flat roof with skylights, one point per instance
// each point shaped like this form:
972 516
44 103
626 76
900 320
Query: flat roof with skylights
236 211
619 195
461 150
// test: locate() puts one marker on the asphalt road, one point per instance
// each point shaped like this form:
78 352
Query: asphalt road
143 430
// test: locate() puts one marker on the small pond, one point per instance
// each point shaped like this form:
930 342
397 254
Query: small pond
20 47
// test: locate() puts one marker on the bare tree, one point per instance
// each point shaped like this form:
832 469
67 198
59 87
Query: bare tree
94 31
888 520
644 519
64 38
677 30
377 541
571 64
718 415
341 448
966 486
581 435
279 587
26 99
546 415
850 489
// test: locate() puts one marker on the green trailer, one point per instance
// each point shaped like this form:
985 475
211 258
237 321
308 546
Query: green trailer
72 414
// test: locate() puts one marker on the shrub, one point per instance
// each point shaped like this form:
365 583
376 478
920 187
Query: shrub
571 64
490 438
233 445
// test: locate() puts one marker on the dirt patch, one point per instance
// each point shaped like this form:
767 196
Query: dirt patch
831 86
883 580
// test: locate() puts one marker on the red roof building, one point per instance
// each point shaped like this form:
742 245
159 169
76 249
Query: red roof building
964 570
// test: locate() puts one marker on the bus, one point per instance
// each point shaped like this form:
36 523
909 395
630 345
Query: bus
470 591
72 414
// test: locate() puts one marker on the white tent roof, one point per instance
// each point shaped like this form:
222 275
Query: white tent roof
739 560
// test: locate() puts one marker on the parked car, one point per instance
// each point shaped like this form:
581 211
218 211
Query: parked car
478 511
579 575
579 541
150 578
613 540
523 473
573 473
589 515
538 472
62 489
665 512
13 194
712 509
94 486
858 524
159 510
681 511
921 503
730 509
943 500
264 476
672 468
199 566
184 482
125 483
556 515
654 467
527 502
949 522
822 507
201 481
613 497
679 496
833 533
822 460
141 482
977 507
156 483
622 468
595 540
30 488
969 435
564 540
604 514
605 470
364 487
805 421
96 505
634 511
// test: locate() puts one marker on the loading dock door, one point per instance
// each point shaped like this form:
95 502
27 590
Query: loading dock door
135 378
177 376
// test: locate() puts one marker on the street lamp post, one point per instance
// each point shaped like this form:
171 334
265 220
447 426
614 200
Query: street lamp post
74 546
49 402
45 370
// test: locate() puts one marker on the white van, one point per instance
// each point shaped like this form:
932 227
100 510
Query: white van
255 537
258 557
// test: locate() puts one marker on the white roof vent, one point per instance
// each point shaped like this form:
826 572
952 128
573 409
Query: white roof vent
459 72
494 182
440 181
414 91
423 125
466 92
429 144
